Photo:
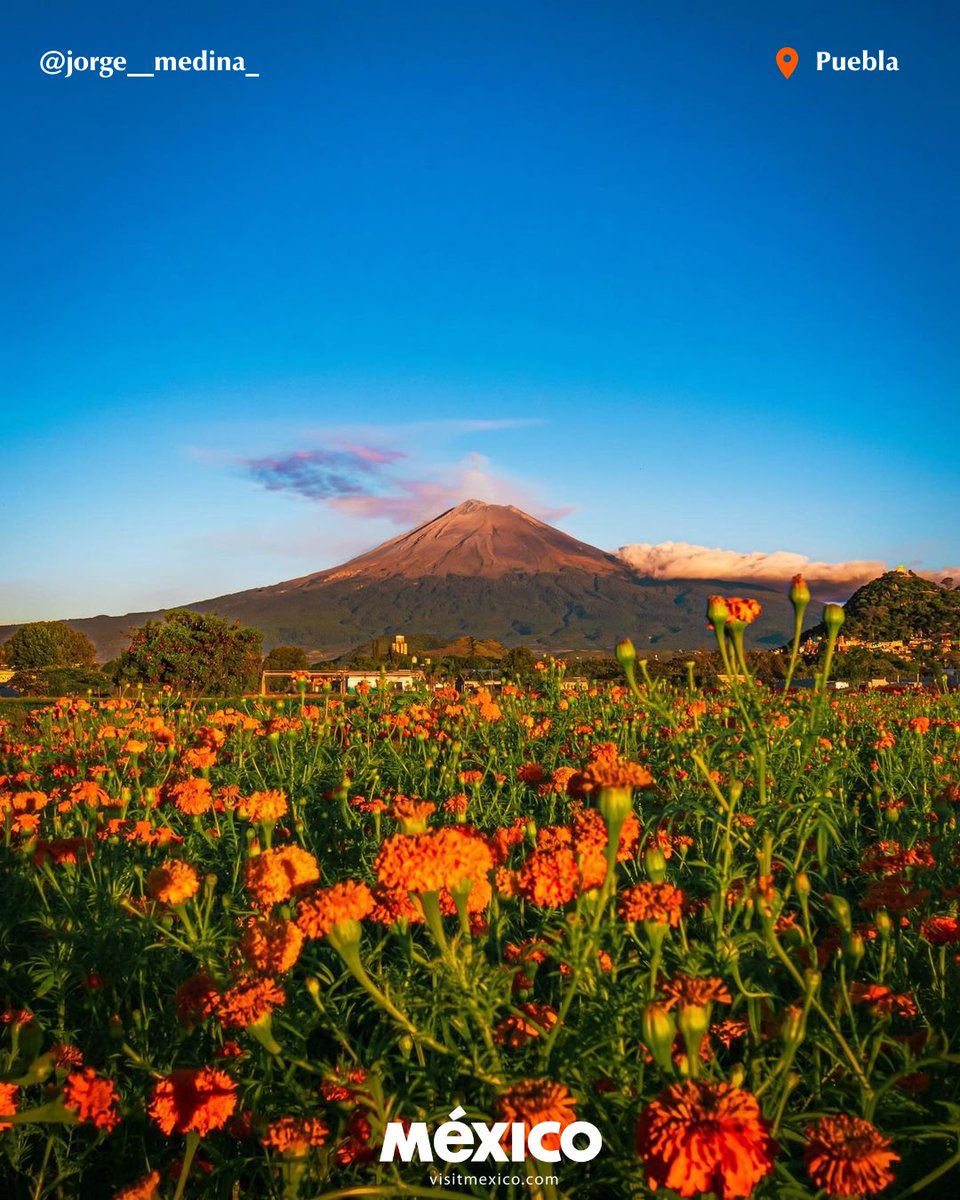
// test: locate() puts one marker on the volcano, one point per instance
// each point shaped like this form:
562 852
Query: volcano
485 570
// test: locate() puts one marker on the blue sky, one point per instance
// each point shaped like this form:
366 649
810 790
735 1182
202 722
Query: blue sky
600 260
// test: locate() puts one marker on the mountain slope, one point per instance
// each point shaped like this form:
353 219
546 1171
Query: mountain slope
485 570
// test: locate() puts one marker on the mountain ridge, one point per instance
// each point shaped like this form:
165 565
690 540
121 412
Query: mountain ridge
478 569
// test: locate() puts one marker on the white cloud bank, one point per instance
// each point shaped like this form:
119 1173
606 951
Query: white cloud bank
683 560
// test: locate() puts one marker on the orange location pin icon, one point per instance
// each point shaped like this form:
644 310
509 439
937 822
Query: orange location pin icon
787 61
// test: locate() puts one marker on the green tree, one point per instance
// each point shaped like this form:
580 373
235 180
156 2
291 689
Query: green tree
198 653
41 644
518 662
286 658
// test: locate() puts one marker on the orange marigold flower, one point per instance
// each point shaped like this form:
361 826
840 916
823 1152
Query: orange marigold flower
294 1136
195 999
659 902
411 862
883 1001
173 883
344 1086
143 1189
940 931
518 1028
347 901
355 1147
532 1101
549 879
391 905
694 990
8 1103
64 1055
90 793
263 806
705 1137
502 840
847 1156
412 811
248 1002
193 1101
919 724
275 875
468 860
271 946
739 609
193 796
198 758
93 1098
62 851
613 773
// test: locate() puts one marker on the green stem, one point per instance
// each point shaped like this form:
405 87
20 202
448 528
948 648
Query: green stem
193 1141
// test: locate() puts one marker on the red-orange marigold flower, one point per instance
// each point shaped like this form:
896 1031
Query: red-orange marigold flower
883 1001
705 1137
263 806
271 946
694 990
193 1101
143 1189
532 1101
8 1103
659 902
847 1156
294 1136
173 883
549 879
248 1002
275 875
93 1098
940 931
346 901
193 796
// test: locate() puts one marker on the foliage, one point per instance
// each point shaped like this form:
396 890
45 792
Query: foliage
61 681
198 653
40 644
286 658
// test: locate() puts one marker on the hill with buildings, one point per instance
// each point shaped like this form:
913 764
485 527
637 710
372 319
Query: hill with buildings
899 609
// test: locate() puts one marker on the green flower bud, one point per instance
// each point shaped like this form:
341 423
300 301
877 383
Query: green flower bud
658 1029
626 652
656 864
799 593
833 617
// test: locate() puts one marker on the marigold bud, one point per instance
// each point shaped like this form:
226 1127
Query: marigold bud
717 611
833 617
854 949
799 593
615 804
840 908
626 652
658 1029
883 923
802 883
693 1021
655 864
792 1029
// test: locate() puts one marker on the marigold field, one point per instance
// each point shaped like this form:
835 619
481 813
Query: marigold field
237 941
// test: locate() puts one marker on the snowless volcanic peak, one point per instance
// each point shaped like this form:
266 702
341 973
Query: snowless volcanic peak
477 539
